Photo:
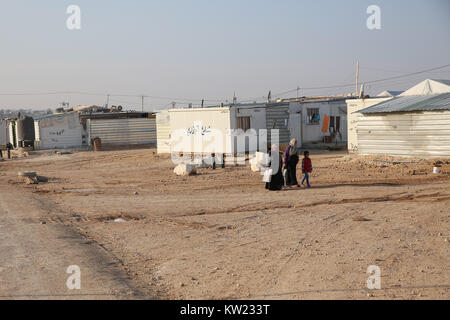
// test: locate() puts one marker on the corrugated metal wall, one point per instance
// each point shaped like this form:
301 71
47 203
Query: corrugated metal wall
425 134
123 131
163 131
353 106
277 117
4 134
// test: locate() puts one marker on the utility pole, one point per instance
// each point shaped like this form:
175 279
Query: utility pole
298 92
357 78
107 101
142 103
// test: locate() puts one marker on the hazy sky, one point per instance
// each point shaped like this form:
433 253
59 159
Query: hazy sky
192 49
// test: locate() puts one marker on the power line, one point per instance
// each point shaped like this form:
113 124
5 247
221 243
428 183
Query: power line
383 70
181 100
187 100
372 81
408 75
352 84
164 98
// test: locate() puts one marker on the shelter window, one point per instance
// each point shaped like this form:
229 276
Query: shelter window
313 116
243 123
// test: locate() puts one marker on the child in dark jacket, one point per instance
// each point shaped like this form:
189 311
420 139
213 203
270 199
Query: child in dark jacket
306 168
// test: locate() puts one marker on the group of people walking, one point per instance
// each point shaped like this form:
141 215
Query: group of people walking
286 175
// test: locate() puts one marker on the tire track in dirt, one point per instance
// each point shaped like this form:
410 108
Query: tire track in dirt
74 225
253 207
434 197
35 263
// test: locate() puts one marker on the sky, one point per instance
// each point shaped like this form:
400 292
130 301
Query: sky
189 50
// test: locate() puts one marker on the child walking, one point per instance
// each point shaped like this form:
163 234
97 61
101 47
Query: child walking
306 169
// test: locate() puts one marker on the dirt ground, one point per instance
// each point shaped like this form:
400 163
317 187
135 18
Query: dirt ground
220 235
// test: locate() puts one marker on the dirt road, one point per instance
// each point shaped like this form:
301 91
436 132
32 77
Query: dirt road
220 234
35 256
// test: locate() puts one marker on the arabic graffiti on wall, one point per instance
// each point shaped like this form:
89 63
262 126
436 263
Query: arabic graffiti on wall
198 129
57 133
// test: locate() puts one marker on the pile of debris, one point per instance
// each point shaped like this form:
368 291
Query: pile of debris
20 153
185 169
31 177
190 168
259 162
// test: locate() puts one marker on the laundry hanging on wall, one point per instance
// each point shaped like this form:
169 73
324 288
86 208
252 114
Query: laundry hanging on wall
326 123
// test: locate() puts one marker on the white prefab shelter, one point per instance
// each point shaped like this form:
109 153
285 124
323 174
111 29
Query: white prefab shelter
306 119
415 123
220 130
163 131
353 106
191 130
302 120
59 131
409 126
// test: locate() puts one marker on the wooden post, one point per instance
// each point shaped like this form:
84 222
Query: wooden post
357 79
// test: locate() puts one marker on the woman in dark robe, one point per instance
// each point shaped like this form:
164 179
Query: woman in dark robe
277 180
291 160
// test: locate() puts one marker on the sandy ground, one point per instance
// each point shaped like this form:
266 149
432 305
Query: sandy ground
220 234
35 257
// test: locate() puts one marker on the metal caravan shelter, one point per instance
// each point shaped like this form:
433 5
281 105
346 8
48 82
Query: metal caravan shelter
353 106
121 128
217 129
59 131
307 116
408 126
